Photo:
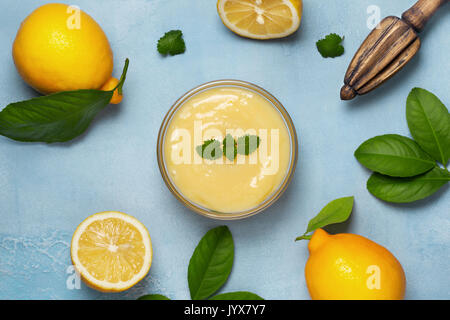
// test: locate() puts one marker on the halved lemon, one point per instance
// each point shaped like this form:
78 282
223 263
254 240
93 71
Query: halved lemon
112 251
261 19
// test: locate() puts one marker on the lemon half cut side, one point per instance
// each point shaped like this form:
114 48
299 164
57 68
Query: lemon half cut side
261 19
112 251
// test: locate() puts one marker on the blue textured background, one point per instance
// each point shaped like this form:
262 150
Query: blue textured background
47 190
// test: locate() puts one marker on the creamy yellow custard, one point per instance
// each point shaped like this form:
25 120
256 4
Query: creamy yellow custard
224 185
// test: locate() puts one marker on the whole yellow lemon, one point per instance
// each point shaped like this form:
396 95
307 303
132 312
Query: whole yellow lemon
61 48
349 266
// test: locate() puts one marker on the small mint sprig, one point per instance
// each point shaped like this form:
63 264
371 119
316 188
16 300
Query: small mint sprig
171 43
229 147
331 46
212 149
248 144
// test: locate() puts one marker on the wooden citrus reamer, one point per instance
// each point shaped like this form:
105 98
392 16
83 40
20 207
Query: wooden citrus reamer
387 49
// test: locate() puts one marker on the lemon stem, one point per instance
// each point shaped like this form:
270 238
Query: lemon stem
303 237
123 77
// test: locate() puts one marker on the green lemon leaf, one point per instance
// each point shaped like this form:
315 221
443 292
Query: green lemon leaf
210 150
56 118
172 43
403 190
211 263
429 123
334 212
239 295
229 147
247 144
330 46
59 117
394 155
153 297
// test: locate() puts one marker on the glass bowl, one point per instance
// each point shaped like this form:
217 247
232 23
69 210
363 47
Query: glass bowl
274 196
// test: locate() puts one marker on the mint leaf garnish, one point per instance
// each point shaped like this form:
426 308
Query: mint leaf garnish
330 46
172 43
247 144
229 147
210 150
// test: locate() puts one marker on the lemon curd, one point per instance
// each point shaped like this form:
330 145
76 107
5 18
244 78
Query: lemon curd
222 185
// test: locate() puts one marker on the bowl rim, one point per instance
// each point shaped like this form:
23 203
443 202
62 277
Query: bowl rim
267 202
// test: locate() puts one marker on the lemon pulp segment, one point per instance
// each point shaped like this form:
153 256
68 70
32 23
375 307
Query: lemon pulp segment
261 19
112 251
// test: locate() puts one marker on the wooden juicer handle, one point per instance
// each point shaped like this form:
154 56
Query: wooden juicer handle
419 14
387 49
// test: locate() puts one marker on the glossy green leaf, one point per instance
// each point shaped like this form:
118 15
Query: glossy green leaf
334 212
239 295
429 123
153 297
394 155
59 117
211 263
403 190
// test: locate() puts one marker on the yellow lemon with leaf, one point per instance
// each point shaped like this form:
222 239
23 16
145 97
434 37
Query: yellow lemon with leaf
61 48
261 19
348 266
